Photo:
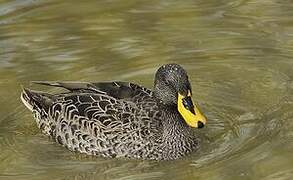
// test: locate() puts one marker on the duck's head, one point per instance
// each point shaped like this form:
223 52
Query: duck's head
172 89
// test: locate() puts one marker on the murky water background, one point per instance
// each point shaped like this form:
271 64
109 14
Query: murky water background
239 56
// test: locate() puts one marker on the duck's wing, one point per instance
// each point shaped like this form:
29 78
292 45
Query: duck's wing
97 118
139 97
72 86
92 123
119 90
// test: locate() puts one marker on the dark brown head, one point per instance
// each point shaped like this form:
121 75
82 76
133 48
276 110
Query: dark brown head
172 89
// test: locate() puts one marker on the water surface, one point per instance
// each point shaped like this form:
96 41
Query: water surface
238 55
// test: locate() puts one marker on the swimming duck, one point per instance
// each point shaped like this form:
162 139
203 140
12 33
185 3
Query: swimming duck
121 119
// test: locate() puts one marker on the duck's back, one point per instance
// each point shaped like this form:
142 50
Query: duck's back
107 119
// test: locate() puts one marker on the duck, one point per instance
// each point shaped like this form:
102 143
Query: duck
121 119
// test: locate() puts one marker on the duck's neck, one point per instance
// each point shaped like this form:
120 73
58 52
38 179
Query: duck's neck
178 138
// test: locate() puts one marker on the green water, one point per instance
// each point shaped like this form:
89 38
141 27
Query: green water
238 53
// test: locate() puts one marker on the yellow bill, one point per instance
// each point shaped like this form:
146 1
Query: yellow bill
190 113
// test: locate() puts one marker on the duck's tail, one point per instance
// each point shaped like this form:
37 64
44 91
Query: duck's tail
35 100
39 104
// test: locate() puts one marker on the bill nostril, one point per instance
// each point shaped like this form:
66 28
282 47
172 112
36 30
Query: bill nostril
200 124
